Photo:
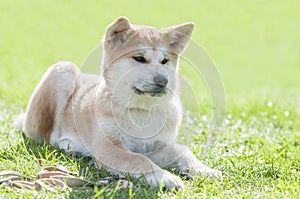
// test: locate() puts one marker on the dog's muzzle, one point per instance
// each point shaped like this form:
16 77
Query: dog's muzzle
156 89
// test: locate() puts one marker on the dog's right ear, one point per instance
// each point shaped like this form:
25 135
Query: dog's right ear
118 31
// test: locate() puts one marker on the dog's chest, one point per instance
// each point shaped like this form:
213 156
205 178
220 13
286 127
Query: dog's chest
144 132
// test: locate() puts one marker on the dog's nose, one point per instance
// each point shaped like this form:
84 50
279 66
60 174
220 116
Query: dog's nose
160 80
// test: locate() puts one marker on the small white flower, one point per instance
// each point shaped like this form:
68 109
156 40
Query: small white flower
269 104
286 113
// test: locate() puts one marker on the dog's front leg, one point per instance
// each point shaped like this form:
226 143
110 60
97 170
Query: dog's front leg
180 157
120 161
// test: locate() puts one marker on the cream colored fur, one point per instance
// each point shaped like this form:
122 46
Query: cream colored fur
122 118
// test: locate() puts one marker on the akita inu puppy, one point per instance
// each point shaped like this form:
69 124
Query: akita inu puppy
127 118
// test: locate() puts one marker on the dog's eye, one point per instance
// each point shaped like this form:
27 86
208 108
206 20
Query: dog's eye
164 61
140 59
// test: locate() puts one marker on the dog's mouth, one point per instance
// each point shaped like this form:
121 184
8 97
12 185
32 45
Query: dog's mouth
155 92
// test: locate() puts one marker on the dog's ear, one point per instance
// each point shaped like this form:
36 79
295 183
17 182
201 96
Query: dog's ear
178 36
118 31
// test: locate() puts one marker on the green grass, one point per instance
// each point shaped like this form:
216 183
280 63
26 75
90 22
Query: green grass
255 45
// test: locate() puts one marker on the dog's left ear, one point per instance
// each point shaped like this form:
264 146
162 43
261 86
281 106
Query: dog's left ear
118 31
179 36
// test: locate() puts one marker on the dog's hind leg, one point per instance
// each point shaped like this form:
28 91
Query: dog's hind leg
45 109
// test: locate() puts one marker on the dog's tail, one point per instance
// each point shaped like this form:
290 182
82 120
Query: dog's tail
18 121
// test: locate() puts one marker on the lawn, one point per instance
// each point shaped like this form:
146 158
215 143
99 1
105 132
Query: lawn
255 46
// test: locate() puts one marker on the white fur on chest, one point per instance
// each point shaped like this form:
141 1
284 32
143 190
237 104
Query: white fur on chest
142 131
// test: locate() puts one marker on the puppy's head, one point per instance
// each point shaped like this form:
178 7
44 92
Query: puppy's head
140 63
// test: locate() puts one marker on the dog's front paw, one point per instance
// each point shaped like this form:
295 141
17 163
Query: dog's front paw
169 180
204 171
212 173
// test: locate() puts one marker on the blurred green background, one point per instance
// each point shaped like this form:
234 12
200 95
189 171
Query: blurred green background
255 44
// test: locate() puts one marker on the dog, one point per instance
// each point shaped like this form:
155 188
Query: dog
128 117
